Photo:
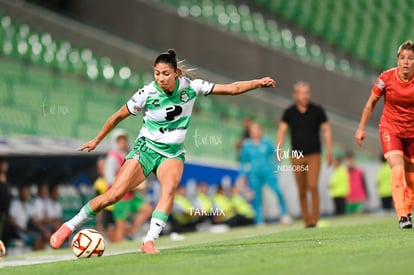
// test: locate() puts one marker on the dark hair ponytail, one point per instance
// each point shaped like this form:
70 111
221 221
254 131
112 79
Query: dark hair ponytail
170 57
172 53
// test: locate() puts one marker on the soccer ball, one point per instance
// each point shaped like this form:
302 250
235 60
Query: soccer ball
88 243
2 250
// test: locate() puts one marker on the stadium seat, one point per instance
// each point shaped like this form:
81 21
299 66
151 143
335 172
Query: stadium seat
29 97
340 24
240 19
50 87
16 122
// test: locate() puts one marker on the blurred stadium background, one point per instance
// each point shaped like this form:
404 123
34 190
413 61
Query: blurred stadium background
66 65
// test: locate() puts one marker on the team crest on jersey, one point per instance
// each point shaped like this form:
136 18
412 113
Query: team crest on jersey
184 96
380 84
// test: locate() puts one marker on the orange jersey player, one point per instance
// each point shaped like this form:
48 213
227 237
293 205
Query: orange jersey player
396 128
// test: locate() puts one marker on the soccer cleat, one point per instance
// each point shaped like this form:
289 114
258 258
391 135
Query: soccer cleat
59 237
409 218
149 248
405 223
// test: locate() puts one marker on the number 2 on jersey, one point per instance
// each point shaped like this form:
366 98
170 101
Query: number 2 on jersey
172 112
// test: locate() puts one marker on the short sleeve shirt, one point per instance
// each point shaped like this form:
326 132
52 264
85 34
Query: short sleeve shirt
54 209
21 212
167 116
39 208
398 114
305 127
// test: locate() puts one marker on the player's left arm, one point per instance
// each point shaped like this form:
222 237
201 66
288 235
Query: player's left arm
241 87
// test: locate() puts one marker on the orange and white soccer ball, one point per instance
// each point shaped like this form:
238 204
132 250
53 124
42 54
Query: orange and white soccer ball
88 243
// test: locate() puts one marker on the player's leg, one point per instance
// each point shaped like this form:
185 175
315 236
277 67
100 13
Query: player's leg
121 214
396 163
312 179
99 221
108 222
409 175
273 183
169 175
256 185
392 147
129 176
120 230
300 177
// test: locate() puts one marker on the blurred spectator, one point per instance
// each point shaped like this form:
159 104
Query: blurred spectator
244 188
224 212
4 195
258 162
339 185
305 120
133 202
54 208
39 205
184 216
140 208
241 205
357 187
247 121
384 184
104 219
24 225
116 155
203 201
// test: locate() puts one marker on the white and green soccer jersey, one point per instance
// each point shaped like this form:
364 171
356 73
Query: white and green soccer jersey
167 116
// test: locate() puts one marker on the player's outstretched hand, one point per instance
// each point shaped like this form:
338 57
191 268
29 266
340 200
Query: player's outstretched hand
267 82
359 136
89 146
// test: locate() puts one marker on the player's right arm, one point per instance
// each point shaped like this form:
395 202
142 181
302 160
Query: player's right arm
281 133
366 114
111 123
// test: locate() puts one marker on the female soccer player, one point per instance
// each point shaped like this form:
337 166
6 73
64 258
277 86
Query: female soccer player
167 104
396 128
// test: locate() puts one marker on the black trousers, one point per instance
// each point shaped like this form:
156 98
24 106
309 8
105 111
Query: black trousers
339 206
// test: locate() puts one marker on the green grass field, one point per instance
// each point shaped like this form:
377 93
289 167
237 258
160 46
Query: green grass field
367 244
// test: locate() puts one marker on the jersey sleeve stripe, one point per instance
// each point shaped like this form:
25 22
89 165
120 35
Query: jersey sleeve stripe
129 110
211 90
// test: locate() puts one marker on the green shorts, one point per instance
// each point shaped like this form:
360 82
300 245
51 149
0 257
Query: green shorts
148 158
354 207
123 209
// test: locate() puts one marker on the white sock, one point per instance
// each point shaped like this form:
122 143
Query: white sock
155 229
79 219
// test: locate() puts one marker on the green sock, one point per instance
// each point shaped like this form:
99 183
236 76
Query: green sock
85 214
160 215
89 210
